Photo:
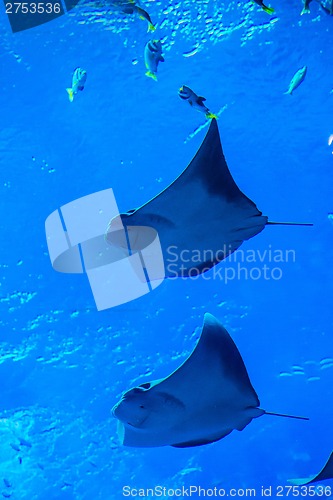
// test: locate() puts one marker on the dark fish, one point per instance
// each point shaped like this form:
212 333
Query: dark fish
132 8
306 7
153 56
269 10
78 82
197 102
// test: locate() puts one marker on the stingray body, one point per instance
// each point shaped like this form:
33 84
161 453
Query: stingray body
201 218
201 402
206 398
325 473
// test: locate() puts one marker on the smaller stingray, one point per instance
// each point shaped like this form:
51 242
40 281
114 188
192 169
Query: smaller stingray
325 473
202 401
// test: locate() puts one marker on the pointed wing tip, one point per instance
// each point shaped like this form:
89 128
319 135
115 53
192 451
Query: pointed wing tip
208 317
210 320
213 128
213 124
213 325
318 477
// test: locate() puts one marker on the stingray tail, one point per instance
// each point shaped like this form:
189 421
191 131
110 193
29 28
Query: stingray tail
289 223
286 416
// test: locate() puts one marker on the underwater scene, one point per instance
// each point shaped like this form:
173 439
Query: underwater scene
166 251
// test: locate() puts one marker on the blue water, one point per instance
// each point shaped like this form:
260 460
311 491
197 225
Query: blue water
63 364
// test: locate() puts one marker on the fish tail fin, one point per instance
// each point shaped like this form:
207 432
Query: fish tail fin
289 223
269 10
151 27
152 75
289 92
210 116
70 94
306 10
285 416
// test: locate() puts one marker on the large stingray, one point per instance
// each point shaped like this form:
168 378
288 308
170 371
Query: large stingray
203 401
325 473
201 218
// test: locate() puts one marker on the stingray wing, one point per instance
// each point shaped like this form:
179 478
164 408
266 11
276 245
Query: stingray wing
325 473
206 398
214 372
201 218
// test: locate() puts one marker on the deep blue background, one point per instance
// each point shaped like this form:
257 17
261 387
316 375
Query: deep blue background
63 365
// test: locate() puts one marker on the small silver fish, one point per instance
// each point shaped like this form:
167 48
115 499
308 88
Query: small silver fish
297 80
153 56
78 82
197 102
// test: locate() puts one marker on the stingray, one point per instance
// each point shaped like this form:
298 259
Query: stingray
201 218
202 401
325 473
